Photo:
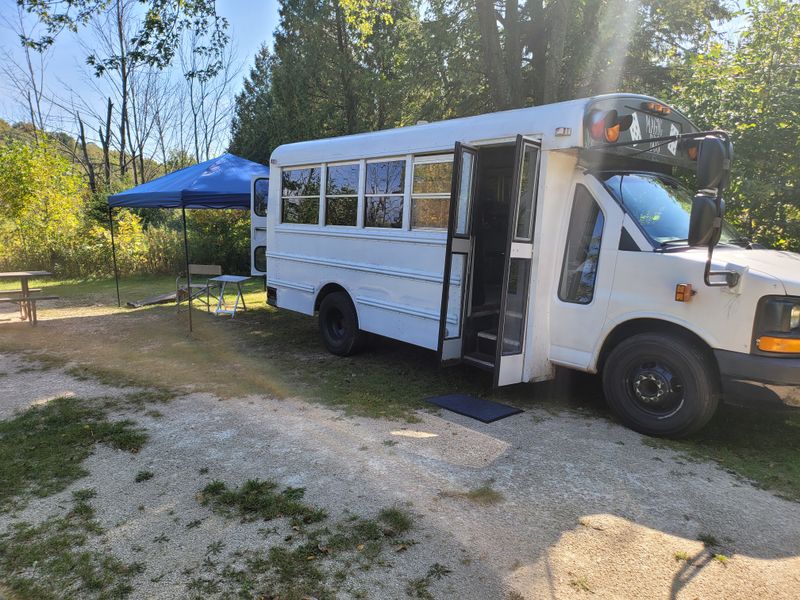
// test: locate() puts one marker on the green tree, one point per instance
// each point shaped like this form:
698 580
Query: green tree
751 88
41 198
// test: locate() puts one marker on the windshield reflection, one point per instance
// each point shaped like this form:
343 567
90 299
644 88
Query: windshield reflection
660 205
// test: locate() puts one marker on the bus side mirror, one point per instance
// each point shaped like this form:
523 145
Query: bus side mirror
713 171
713 165
705 222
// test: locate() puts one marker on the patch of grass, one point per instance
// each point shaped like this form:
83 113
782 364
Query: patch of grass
397 521
721 558
52 560
419 588
681 556
149 394
762 447
41 449
484 495
709 541
580 583
313 562
143 476
256 499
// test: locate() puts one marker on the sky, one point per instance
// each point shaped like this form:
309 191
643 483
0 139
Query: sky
251 23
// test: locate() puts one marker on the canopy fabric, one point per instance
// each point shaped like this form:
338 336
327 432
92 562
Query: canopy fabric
222 182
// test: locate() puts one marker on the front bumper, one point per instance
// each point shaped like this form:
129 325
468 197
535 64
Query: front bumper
748 378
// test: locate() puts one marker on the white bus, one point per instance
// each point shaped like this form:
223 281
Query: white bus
556 235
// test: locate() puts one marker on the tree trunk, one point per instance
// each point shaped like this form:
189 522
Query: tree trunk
513 53
537 42
123 74
557 33
492 54
105 141
345 73
89 166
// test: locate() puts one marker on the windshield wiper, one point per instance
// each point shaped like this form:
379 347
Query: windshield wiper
668 242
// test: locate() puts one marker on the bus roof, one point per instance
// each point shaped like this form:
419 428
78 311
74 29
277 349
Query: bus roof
441 136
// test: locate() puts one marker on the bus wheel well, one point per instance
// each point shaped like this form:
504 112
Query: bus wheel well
327 289
636 326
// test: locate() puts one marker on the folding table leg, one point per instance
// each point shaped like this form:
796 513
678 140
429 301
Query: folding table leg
221 298
236 302
241 295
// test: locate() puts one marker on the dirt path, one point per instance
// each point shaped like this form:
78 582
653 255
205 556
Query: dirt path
586 509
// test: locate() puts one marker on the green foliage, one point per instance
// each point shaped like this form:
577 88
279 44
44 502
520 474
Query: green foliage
41 199
751 89
157 36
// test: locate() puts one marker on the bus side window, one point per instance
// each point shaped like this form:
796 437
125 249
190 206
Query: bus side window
260 200
582 252
300 195
383 196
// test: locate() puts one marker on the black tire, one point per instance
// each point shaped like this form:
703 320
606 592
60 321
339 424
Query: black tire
661 384
338 324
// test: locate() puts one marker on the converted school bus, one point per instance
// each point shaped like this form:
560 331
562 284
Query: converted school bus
528 239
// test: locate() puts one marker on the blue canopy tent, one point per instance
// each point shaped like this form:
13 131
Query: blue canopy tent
222 182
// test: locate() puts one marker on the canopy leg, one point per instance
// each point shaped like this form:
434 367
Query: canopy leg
114 252
186 253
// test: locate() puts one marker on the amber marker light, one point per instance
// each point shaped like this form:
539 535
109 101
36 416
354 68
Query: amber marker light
775 344
684 292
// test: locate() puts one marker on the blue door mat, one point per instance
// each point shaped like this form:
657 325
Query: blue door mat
476 408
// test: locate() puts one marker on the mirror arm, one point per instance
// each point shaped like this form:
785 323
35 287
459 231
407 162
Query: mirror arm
731 277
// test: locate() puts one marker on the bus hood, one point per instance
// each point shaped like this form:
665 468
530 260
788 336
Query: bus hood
775 264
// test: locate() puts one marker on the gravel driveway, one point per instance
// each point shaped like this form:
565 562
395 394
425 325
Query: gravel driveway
583 508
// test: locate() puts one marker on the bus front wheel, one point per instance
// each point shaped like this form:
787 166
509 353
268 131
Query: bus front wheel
661 384
338 324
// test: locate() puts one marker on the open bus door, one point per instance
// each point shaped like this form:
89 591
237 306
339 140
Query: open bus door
458 255
509 359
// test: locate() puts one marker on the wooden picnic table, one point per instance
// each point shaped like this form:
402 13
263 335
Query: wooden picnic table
24 296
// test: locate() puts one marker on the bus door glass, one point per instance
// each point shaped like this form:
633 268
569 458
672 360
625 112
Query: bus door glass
509 361
258 226
458 255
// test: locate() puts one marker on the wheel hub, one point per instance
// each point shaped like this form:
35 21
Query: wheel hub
652 385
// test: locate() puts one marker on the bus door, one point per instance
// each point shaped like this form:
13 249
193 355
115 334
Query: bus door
458 256
509 359
258 226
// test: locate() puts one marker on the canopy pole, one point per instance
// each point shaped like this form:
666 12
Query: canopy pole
186 253
114 252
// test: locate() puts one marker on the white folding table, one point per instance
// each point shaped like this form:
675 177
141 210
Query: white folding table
222 281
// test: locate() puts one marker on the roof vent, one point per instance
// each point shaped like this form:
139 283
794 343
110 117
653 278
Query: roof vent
422 122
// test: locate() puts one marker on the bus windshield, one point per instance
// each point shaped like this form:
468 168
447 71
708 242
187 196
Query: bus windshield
660 205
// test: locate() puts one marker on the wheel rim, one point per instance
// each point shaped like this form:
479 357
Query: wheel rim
335 324
655 387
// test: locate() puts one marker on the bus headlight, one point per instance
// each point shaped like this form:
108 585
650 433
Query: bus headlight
777 327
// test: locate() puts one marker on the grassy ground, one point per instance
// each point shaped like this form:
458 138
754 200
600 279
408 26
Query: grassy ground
41 453
41 450
268 351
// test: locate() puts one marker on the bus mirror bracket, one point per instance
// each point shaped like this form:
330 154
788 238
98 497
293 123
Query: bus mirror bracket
708 207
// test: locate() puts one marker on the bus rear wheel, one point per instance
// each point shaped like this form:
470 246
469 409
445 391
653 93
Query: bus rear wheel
338 324
661 384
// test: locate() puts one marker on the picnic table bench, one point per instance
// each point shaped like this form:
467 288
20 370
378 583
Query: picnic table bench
26 296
